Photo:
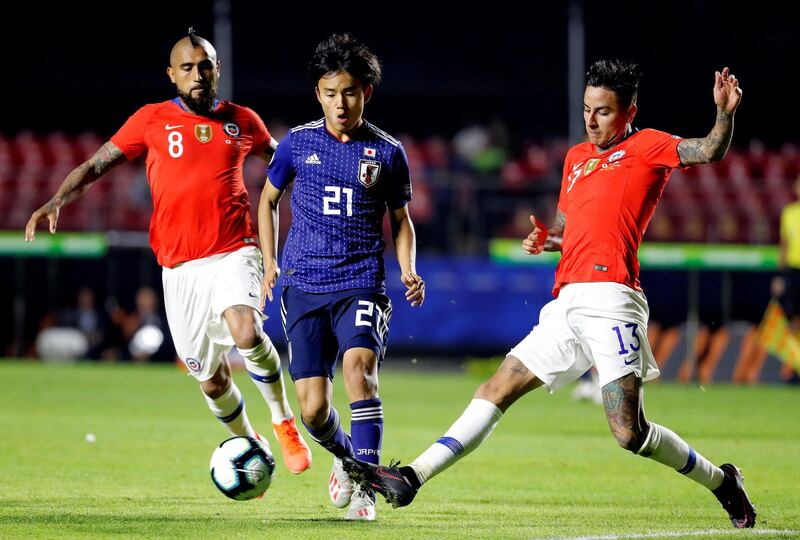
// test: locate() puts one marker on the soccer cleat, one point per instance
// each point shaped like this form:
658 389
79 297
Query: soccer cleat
340 487
734 499
388 481
362 507
296 454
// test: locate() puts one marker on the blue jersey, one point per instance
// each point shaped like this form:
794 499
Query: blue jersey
340 195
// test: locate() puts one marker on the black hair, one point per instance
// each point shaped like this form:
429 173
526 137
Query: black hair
620 76
193 37
343 52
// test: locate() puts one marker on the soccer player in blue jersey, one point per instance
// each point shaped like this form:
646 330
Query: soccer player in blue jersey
345 173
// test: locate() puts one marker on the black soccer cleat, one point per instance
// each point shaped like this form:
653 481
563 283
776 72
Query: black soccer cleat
388 481
734 499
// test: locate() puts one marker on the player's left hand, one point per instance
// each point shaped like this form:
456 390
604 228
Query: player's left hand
727 93
416 288
271 273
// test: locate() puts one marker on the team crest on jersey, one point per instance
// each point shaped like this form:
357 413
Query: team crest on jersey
202 132
616 156
368 172
590 166
231 129
194 365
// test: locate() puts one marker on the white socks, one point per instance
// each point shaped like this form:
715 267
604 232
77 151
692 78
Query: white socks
666 447
264 366
229 409
474 425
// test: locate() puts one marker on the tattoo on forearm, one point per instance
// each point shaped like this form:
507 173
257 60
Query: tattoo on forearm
711 148
556 232
82 176
105 158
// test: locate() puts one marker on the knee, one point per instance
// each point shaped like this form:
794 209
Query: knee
246 336
494 391
314 413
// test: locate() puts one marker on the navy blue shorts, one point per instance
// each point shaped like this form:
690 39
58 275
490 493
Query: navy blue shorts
320 327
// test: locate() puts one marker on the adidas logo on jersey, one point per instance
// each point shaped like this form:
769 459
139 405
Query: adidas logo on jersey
313 159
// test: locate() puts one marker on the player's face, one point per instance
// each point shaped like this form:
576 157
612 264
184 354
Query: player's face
606 119
195 72
342 98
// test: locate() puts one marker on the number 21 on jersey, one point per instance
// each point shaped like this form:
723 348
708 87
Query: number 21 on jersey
331 204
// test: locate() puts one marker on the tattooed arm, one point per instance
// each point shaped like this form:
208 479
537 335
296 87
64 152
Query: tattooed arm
74 185
544 239
727 95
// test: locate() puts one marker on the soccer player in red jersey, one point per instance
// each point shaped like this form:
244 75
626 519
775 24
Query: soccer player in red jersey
202 235
610 187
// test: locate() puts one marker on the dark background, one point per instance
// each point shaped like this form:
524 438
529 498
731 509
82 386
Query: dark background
76 68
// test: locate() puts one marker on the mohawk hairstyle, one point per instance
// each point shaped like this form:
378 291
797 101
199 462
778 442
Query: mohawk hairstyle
193 37
620 76
343 52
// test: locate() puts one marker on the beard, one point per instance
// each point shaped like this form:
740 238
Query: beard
203 104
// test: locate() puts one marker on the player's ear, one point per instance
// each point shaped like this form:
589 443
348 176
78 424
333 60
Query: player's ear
171 74
316 92
632 109
368 93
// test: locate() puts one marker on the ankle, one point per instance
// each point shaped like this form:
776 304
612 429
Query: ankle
411 476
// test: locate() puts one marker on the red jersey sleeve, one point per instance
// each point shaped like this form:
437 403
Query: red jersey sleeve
130 137
565 180
659 149
261 136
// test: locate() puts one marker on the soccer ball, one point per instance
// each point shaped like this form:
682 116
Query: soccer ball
242 468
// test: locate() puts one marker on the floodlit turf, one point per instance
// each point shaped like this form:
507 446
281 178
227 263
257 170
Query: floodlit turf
551 469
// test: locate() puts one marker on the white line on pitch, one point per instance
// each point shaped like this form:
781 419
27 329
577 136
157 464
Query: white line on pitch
673 534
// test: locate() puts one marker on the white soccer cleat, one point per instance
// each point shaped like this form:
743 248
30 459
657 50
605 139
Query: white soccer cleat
340 487
362 506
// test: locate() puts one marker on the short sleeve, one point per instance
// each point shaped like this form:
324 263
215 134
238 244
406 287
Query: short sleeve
565 179
659 149
281 170
130 137
261 136
400 185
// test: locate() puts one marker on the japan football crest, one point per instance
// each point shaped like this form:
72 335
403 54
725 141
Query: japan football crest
202 132
368 172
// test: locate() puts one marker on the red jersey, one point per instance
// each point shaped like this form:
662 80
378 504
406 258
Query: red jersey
608 199
194 168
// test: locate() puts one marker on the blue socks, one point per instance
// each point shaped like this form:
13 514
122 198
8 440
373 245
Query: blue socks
331 436
366 429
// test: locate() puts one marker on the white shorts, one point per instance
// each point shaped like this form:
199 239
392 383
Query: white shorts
589 324
195 295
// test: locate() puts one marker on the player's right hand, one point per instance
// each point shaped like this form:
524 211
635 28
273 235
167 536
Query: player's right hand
534 242
271 273
49 211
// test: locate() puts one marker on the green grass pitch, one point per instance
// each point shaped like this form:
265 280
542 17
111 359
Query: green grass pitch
550 470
